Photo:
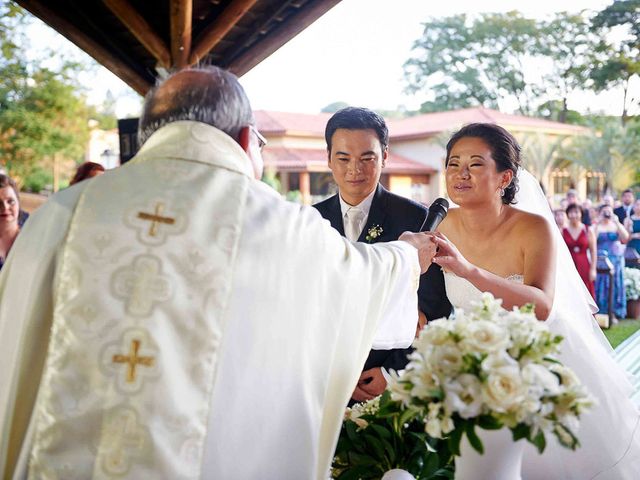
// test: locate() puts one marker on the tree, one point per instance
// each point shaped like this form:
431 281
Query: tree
539 154
614 151
468 62
334 107
567 41
615 64
43 118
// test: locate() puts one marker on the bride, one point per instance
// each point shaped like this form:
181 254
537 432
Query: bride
502 239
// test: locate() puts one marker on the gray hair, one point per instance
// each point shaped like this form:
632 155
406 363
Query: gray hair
220 102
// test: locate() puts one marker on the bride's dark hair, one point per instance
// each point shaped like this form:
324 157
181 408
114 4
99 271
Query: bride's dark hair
505 151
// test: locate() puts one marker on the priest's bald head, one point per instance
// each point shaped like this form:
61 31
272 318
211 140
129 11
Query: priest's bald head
209 95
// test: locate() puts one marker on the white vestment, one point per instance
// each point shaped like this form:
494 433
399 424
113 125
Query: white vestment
174 318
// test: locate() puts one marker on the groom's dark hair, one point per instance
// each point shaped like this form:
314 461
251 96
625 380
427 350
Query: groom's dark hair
505 151
357 118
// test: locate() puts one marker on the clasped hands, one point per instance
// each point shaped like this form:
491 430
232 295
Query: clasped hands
434 247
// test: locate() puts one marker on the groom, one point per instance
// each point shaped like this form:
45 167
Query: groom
364 211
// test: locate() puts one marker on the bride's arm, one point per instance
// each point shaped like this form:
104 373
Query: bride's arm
539 269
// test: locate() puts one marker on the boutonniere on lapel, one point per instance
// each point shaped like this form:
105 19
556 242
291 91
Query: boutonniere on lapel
373 233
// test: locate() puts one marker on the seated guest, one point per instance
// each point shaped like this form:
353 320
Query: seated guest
364 211
582 245
87 170
9 214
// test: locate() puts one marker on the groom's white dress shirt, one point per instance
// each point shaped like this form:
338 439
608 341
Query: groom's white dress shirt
175 318
355 217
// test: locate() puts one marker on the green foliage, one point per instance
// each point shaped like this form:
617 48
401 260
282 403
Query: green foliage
393 438
41 113
334 107
469 61
616 63
614 150
269 177
38 180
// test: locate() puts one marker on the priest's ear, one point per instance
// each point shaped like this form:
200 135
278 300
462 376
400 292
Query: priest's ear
252 142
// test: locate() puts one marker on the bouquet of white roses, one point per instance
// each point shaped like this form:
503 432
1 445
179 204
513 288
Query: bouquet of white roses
492 368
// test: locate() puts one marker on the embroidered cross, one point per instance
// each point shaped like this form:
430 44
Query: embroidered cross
155 218
142 285
133 360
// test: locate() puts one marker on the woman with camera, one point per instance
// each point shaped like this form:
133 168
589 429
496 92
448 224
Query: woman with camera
611 235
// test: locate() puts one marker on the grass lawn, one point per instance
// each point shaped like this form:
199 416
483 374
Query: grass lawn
620 332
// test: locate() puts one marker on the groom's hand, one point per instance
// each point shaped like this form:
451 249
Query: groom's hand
371 384
425 246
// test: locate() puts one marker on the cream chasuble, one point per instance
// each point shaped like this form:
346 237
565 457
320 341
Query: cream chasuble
174 318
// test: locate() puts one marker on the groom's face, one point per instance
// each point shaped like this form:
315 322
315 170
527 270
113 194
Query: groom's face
356 160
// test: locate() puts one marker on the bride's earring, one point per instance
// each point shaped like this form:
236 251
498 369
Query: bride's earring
501 192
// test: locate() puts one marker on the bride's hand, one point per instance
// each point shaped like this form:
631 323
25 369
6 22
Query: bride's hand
449 258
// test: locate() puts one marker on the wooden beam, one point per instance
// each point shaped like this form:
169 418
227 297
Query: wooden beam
181 20
279 36
136 81
219 28
140 29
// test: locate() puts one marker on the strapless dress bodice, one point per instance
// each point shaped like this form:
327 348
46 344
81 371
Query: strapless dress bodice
461 292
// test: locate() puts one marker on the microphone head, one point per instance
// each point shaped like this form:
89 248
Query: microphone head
440 204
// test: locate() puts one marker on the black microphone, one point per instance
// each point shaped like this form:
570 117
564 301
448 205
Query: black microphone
437 211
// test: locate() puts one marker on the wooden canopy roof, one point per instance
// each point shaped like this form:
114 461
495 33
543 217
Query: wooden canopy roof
138 40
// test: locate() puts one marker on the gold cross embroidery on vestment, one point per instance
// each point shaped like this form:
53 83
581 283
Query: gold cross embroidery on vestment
133 360
155 218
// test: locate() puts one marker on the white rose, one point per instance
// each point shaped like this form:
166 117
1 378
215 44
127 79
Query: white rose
485 336
425 383
539 377
497 360
503 388
447 359
436 332
464 396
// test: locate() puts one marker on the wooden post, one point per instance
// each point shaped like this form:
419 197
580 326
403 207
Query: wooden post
305 187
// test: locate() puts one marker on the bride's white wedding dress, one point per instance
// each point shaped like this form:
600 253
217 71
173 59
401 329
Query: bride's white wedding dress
609 433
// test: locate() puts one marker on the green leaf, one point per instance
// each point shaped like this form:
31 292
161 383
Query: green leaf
454 441
540 442
520 431
474 440
489 423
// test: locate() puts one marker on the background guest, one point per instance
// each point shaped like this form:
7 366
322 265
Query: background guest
580 240
561 218
572 199
610 236
625 210
633 226
9 213
87 170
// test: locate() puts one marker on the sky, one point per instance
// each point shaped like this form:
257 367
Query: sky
355 54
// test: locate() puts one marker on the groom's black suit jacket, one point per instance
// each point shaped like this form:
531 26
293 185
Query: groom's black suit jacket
395 215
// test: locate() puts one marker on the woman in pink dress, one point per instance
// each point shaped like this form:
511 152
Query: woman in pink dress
580 240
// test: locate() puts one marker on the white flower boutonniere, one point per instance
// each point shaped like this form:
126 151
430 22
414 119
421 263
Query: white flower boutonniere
373 233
